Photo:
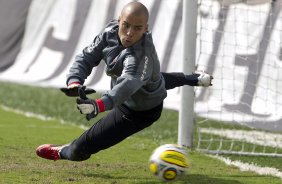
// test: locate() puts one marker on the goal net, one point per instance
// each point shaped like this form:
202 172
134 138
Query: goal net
240 43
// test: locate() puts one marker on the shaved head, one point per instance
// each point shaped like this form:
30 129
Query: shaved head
137 9
133 23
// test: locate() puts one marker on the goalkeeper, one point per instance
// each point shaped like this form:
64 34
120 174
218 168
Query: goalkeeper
138 88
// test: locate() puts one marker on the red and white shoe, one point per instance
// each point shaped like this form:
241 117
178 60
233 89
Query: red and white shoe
49 151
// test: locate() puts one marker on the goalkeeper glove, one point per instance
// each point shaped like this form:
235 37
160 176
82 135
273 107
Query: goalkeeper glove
204 79
88 106
72 89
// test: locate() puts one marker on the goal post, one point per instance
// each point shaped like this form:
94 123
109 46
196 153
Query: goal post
186 112
238 42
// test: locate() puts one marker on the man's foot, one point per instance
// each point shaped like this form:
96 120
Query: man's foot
49 151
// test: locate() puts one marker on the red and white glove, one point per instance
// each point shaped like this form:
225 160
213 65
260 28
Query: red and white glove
204 79
88 106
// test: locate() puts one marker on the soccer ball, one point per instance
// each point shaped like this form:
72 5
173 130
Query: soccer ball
168 162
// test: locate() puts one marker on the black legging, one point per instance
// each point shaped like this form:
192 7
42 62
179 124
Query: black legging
117 125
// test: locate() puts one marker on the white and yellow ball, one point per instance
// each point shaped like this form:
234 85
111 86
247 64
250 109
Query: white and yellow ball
169 162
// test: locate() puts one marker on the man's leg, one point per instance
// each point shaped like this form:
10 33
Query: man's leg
117 125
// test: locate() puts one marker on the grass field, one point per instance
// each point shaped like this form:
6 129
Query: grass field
124 163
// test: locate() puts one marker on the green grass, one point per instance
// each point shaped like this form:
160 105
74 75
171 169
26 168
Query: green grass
124 163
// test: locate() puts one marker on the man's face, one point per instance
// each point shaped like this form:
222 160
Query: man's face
131 28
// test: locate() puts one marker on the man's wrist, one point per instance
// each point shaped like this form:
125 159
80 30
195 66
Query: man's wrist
101 105
74 84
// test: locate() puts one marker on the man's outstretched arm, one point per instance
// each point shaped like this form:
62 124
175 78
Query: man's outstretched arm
177 79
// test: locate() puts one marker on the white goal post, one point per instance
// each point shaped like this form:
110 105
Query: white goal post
239 42
186 114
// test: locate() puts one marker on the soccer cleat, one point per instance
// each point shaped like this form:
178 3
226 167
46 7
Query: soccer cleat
49 151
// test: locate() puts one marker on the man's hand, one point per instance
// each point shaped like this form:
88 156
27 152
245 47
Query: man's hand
72 90
86 106
204 79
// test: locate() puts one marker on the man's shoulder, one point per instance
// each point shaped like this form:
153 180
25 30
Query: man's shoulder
145 45
111 27
148 39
